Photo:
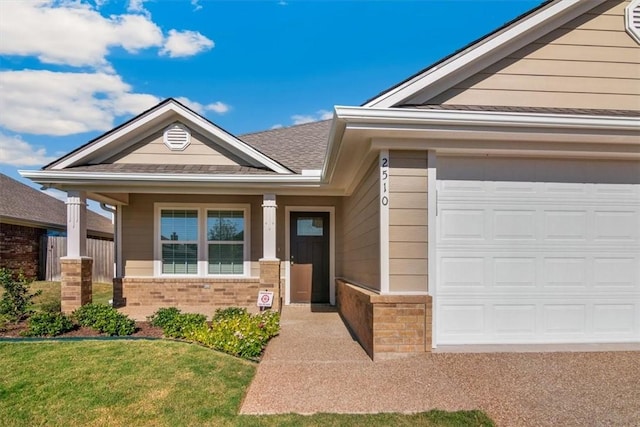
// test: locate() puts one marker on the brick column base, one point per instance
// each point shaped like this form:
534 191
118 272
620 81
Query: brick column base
270 280
118 292
76 288
386 325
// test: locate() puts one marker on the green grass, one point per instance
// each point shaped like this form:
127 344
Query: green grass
102 293
159 383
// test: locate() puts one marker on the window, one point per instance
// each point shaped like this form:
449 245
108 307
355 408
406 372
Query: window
225 242
202 240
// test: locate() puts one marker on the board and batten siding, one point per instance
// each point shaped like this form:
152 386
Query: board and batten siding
360 246
138 224
408 221
590 62
152 150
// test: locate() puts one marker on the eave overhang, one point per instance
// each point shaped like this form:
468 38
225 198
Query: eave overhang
360 132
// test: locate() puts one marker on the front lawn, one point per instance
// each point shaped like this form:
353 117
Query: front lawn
102 293
124 383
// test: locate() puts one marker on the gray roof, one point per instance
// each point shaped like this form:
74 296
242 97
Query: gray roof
22 203
297 147
170 168
540 110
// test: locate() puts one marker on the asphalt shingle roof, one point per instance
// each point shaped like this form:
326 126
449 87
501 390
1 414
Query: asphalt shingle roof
21 202
297 147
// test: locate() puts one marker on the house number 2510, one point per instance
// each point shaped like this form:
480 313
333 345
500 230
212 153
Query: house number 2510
384 179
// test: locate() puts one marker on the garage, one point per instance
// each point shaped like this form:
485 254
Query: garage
537 251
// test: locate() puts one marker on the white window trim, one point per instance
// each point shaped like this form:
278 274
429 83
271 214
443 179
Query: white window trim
202 208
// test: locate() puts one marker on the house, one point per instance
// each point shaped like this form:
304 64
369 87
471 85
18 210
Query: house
26 216
492 198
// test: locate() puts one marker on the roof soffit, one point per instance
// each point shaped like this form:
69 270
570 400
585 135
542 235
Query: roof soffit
437 79
121 138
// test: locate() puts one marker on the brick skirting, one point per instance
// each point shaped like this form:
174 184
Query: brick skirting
76 286
202 293
386 325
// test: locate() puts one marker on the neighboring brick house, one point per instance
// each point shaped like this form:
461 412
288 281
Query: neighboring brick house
491 198
26 215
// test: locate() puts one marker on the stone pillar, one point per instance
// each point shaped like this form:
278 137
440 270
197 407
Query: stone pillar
76 267
270 280
269 227
76 289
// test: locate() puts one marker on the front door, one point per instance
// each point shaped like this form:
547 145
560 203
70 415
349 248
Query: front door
309 257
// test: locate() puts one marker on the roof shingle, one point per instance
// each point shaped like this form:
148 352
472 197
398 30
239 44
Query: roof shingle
21 202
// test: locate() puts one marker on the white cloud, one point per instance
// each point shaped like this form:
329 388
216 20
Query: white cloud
57 103
185 43
136 6
196 5
299 119
71 33
218 107
277 126
16 152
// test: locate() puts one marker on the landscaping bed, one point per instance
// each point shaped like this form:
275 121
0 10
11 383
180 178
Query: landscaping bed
143 330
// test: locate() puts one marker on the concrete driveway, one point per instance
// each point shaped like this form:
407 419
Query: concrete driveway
316 366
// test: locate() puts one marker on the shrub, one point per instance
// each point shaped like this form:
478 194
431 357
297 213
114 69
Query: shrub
105 319
163 316
48 324
237 332
175 324
16 303
51 306
229 313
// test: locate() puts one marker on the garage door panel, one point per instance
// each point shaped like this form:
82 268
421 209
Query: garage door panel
548 261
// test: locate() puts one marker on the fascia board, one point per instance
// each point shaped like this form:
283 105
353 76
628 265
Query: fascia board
417 117
483 54
231 142
129 178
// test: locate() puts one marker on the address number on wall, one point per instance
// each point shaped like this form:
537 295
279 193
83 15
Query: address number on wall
384 178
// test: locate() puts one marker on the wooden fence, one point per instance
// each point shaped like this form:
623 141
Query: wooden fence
54 248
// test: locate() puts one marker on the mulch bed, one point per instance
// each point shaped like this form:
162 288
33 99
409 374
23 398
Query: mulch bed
143 330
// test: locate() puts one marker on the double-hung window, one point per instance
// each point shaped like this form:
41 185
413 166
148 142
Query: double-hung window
202 240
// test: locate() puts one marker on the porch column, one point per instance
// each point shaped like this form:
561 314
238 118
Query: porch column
76 267
269 227
269 263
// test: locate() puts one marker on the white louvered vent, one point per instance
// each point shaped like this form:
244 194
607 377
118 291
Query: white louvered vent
177 137
632 20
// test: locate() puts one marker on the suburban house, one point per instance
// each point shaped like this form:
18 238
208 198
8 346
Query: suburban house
27 218
492 198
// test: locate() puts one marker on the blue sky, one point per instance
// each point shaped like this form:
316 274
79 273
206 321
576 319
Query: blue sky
71 70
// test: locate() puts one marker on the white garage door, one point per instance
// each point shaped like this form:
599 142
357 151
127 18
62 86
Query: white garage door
537 251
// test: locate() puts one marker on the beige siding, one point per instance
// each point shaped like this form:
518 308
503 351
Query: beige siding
360 249
408 221
199 152
590 62
138 224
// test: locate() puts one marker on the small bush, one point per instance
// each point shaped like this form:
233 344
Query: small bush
175 324
48 324
105 319
163 317
229 313
238 333
16 303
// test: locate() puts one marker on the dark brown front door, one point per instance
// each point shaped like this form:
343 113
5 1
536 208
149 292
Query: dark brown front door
309 257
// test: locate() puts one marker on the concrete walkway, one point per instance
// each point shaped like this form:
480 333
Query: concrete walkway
316 366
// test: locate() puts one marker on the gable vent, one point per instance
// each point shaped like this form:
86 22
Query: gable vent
177 137
632 20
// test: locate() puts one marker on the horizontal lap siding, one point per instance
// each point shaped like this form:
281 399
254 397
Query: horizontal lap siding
360 248
590 62
408 221
138 223
154 151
